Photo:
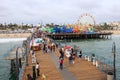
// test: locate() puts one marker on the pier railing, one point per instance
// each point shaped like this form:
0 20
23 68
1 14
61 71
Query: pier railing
100 62
20 60
27 49
70 36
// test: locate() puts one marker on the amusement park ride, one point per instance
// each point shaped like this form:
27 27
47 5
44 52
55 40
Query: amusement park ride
83 29
85 24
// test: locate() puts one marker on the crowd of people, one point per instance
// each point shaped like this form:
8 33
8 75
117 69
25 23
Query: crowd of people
48 46
70 54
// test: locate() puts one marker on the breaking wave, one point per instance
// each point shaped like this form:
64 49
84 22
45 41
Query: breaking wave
4 40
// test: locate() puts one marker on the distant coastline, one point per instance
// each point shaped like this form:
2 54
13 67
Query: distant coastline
15 35
117 32
24 35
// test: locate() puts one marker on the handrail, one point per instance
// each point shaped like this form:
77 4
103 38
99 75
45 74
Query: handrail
105 65
21 71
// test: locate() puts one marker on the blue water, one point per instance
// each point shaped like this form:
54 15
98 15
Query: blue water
6 46
101 47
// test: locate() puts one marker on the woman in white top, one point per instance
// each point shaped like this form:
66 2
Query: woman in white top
37 69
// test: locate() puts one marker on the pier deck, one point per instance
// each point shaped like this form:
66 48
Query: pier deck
70 36
84 70
81 70
46 66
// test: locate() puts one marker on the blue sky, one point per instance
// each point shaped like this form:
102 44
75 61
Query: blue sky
57 11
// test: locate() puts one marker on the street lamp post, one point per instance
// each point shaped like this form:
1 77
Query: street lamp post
26 53
114 60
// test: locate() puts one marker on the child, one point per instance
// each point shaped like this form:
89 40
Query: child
29 77
61 63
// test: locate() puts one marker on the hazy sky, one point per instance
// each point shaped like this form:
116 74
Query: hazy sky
57 11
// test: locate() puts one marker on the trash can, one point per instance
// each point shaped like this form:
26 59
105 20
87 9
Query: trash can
110 76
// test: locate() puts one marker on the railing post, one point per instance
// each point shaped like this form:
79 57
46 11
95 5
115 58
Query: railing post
17 65
34 73
114 60
26 53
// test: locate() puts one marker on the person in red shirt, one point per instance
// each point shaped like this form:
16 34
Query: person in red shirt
61 63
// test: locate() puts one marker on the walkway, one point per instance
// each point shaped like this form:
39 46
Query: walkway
84 70
81 70
67 75
46 66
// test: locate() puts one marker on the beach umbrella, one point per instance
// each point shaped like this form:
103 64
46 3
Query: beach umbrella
68 47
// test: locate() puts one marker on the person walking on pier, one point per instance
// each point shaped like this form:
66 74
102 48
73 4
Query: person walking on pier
37 69
33 57
80 54
70 59
44 48
29 77
73 58
61 53
61 63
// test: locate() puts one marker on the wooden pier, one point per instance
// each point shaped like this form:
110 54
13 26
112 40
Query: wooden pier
81 70
47 67
84 70
49 62
70 36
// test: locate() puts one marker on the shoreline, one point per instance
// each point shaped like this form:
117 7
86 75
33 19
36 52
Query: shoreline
24 35
115 32
15 35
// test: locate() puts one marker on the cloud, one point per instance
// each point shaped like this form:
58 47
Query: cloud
57 11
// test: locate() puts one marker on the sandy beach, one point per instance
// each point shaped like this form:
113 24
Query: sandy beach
117 32
23 35
15 35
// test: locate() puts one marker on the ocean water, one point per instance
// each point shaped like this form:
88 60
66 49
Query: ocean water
101 47
6 45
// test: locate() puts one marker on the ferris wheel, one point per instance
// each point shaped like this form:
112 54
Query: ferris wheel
86 22
86 19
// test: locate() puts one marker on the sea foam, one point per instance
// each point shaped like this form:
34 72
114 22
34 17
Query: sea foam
4 40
